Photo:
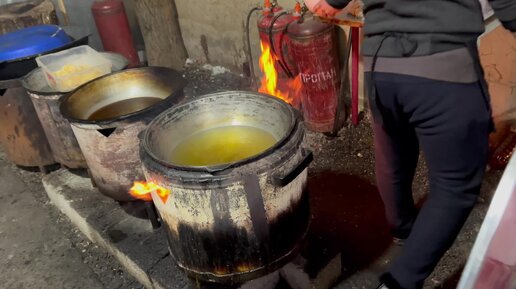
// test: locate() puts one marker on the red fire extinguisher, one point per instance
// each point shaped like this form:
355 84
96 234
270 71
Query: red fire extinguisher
313 48
113 27
272 26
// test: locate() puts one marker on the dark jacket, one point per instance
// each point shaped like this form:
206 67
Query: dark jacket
424 27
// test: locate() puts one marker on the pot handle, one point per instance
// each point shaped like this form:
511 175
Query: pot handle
284 180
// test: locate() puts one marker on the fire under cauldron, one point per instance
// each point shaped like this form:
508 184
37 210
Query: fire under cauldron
108 113
232 222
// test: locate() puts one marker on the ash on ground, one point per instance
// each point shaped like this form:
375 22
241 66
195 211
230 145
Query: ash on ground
206 79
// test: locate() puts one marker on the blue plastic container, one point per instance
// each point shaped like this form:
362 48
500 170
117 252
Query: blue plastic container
19 49
31 41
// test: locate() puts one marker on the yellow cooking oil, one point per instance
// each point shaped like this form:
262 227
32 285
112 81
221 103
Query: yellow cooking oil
222 145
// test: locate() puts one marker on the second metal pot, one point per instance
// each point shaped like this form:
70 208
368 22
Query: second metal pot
110 142
46 100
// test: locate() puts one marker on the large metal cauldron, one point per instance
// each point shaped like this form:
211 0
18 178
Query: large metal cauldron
21 134
234 222
110 141
46 100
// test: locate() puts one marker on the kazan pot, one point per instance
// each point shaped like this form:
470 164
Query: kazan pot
108 113
59 133
21 134
235 222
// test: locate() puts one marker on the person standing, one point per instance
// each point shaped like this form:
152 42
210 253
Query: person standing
426 90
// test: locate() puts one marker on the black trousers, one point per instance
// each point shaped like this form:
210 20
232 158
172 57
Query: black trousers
451 124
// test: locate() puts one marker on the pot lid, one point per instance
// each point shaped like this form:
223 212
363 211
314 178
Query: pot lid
31 41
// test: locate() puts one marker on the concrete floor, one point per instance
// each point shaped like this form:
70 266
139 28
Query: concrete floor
33 253
38 249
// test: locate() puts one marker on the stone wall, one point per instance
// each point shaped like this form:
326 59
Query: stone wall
213 30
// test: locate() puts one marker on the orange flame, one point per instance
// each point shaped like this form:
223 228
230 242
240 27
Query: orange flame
296 86
143 190
269 83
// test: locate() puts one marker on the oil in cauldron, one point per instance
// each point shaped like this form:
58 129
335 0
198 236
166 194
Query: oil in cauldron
222 145
122 107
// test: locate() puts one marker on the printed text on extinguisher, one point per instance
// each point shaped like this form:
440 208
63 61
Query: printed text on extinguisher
318 77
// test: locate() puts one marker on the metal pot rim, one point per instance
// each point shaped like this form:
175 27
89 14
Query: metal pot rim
27 87
218 168
105 122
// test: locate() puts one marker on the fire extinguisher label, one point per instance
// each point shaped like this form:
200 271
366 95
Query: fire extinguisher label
319 77
317 62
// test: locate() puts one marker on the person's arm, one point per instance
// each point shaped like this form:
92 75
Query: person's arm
329 8
505 10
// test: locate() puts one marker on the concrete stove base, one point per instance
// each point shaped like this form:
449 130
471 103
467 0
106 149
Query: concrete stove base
144 251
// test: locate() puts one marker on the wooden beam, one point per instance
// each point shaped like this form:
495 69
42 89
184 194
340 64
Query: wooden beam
161 33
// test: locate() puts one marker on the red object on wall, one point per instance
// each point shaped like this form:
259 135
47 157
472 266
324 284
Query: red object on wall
283 65
314 50
113 27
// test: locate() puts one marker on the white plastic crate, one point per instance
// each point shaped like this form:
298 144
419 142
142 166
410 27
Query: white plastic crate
68 69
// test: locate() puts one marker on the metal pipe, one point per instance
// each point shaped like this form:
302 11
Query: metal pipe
248 44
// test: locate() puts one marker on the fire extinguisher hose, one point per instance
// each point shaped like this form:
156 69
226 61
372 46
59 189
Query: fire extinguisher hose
248 45
281 60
